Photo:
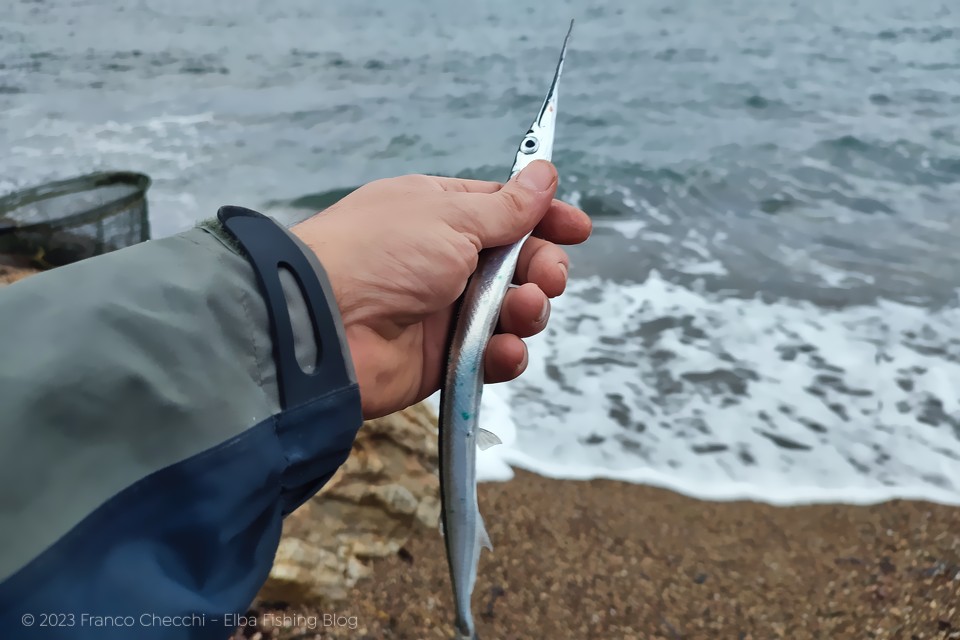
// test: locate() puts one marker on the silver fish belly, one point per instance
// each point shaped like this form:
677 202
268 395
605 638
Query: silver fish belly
460 434
464 531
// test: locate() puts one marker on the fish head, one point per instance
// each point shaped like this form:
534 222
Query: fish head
537 144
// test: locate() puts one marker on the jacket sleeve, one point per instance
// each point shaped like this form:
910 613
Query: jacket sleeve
146 455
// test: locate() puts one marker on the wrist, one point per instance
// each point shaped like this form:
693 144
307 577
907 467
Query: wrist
301 307
320 246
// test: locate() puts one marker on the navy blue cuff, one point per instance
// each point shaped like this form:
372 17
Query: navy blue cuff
270 248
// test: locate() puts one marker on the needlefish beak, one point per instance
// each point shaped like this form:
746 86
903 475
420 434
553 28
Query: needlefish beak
538 143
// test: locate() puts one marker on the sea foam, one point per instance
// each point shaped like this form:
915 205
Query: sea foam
726 398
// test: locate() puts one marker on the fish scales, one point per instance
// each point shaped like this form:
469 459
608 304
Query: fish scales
460 434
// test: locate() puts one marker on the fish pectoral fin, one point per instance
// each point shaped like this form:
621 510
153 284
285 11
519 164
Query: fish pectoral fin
482 536
487 439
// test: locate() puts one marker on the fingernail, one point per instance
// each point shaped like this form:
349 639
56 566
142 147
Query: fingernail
537 176
544 312
523 363
563 269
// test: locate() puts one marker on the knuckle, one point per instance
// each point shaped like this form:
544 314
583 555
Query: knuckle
514 201
545 251
467 247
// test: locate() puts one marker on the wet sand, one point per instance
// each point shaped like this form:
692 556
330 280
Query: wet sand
610 560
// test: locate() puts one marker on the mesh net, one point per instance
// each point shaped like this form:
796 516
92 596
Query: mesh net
62 222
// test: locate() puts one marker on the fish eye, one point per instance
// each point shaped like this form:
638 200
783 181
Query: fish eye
529 145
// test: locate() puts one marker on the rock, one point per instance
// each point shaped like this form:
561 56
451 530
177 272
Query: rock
386 492
10 274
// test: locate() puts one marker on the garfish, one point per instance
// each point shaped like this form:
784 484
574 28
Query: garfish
460 435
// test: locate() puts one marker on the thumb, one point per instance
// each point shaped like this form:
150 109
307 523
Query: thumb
509 214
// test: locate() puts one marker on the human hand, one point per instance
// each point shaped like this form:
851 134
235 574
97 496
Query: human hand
398 253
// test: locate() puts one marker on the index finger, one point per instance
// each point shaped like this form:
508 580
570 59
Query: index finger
464 185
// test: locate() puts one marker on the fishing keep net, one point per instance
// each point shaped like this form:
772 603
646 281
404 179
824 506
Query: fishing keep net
62 222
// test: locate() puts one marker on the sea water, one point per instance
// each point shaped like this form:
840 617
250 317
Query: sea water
768 308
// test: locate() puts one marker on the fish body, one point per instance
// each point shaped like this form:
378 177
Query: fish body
460 434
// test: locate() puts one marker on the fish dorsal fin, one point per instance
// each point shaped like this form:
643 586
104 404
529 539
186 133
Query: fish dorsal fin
487 439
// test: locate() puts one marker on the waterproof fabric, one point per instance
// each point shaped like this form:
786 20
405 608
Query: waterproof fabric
183 552
182 547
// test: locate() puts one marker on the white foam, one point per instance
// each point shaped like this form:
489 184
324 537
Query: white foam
629 228
703 268
809 376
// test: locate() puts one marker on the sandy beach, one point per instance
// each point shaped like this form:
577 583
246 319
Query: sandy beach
604 559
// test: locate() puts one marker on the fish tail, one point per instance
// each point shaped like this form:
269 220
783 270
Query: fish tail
464 630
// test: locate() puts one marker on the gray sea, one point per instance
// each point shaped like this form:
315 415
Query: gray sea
769 304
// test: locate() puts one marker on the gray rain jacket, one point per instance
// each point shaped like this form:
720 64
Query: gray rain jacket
149 445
